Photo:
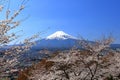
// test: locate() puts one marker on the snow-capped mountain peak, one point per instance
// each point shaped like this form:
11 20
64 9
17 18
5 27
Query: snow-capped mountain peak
60 35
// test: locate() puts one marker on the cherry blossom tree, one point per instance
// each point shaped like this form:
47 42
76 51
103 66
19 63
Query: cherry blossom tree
9 56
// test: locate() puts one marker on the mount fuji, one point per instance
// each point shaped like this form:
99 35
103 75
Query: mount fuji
57 40
60 35
61 40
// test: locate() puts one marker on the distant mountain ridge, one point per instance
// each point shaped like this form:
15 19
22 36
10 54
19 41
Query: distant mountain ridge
58 40
61 40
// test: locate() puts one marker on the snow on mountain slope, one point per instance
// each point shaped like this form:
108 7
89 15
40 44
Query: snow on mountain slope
60 35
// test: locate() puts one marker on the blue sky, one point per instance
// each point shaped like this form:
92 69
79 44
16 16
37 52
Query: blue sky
88 18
